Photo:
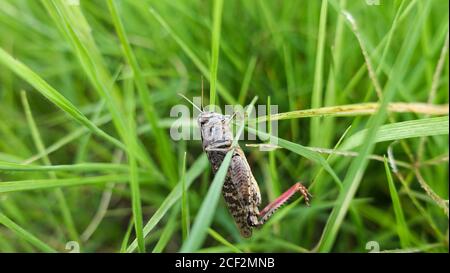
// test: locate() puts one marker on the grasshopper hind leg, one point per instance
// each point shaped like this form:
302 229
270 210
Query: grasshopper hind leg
270 209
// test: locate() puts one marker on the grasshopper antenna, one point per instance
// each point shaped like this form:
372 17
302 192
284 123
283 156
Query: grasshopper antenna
184 97
232 116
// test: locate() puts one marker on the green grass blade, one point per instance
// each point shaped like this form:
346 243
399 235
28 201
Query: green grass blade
223 241
72 23
169 229
402 130
215 46
402 227
34 184
247 79
75 29
82 167
185 222
63 206
24 234
205 215
220 88
359 164
298 149
196 169
361 109
82 150
318 178
274 182
72 136
317 94
124 244
53 96
166 157
132 147
291 85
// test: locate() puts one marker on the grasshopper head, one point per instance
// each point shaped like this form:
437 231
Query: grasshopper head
210 118
214 129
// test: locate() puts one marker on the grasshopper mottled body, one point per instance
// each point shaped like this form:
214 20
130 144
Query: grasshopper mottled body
240 189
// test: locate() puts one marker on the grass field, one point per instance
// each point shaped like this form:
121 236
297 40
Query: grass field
87 162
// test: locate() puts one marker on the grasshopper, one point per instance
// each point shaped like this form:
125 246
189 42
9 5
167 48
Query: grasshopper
240 189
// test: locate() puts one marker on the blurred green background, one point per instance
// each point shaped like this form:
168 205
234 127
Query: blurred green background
86 88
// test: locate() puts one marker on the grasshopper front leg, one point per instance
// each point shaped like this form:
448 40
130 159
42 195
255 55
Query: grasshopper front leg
269 210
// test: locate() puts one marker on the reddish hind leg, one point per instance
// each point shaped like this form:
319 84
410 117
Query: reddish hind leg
268 211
